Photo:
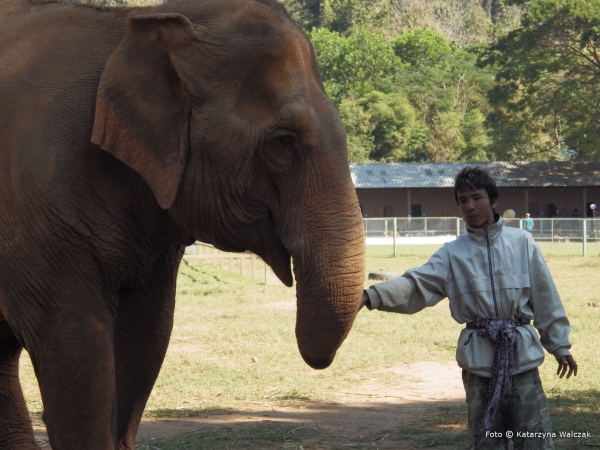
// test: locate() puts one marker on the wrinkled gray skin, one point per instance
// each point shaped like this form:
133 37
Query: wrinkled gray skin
124 136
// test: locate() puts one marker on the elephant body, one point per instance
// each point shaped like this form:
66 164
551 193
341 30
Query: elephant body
126 134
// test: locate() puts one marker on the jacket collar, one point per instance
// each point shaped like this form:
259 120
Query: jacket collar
492 232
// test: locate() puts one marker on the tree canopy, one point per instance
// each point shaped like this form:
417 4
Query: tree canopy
353 63
462 80
548 70
412 98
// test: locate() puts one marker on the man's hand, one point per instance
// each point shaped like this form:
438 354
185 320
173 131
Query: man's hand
566 362
364 300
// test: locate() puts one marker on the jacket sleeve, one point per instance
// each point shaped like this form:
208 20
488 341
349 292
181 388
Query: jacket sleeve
549 316
415 290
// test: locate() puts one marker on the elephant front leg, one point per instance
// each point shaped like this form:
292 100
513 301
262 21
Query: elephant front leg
139 352
141 340
16 432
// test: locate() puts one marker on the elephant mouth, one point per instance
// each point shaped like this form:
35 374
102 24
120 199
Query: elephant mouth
274 253
281 263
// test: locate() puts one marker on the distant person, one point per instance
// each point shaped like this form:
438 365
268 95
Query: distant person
499 350
528 222
564 213
576 213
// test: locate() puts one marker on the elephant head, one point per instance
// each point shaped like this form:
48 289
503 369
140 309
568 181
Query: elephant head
220 108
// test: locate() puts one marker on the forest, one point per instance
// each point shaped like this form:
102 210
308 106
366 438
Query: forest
458 80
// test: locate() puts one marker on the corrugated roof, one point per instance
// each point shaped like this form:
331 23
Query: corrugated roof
506 174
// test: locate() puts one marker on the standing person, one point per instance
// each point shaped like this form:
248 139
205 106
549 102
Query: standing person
497 282
528 222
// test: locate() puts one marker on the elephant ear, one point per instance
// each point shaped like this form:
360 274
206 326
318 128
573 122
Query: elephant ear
142 116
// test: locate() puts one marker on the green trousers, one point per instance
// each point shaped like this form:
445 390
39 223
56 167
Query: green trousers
522 412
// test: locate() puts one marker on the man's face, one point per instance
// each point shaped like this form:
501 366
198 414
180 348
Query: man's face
475 208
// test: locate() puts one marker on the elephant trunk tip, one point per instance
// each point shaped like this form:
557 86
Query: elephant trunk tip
317 363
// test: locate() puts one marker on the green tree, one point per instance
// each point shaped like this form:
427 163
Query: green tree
520 136
430 110
446 142
420 47
352 63
450 98
382 127
347 16
549 81
359 128
398 134
477 140
412 98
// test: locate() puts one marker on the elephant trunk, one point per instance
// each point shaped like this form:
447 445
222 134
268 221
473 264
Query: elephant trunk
329 275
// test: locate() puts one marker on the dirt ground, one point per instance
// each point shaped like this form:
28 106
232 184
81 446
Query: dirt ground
365 412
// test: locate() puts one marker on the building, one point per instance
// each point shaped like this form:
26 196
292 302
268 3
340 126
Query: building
544 189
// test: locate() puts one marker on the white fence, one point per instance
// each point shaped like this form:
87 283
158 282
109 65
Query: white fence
246 264
567 236
422 236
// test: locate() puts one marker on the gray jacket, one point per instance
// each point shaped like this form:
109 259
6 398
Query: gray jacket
493 272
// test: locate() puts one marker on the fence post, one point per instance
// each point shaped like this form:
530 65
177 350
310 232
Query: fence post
584 237
254 267
457 226
395 232
266 272
243 264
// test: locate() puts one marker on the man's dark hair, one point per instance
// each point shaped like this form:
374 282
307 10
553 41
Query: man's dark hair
473 178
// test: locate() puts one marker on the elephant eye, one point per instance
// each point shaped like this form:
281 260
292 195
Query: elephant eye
280 155
286 140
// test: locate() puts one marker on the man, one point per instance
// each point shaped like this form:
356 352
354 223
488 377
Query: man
528 222
497 282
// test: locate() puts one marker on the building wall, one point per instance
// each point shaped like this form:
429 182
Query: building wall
434 202
439 202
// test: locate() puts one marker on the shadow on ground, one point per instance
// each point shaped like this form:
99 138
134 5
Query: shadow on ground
377 425
373 422
310 425
306 425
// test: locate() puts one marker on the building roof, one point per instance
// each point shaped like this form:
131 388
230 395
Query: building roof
506 174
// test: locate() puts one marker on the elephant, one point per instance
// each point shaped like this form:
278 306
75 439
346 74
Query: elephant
127 134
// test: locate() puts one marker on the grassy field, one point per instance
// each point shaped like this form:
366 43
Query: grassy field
233 345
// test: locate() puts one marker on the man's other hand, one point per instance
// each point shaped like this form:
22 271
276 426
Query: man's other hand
566 362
